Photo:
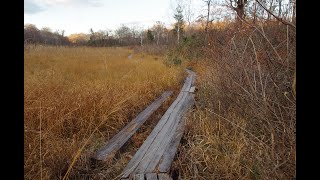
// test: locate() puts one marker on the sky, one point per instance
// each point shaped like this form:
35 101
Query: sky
78 16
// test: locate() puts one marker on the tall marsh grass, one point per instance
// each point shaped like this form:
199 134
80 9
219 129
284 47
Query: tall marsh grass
76 98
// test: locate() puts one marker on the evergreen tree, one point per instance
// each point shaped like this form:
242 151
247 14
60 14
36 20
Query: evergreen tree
178 26
150 36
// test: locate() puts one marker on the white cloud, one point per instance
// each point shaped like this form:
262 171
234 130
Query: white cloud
73 2
54 2
35 6
30 7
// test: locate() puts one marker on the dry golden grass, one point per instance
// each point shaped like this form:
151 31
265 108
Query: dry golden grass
76 98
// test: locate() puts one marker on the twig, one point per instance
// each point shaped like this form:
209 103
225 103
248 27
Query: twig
287 45
259 70
278 18
263 34
40 144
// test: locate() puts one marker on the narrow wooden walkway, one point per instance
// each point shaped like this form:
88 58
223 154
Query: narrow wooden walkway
153 159
109 149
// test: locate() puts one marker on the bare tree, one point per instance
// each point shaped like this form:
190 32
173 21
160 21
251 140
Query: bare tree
178 27
278 18
239 8
141 37
158 29
255 13
166 33
293 10
140 34
208 4
46 34
270 9
188 13
280 8
123 33
31 33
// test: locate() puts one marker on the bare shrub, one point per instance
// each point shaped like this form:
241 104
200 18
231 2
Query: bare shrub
246 106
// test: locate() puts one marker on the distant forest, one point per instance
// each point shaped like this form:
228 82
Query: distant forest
236 13
123 36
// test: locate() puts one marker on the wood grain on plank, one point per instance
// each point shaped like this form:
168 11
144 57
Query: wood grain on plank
161 140
139 177
164 176
167 138
145 146
108 150
168 155
169 151
151 176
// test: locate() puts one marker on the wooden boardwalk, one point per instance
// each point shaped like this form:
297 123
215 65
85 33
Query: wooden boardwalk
153 159
108 151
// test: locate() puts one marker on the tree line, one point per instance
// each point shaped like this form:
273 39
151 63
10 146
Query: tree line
44 36
186 24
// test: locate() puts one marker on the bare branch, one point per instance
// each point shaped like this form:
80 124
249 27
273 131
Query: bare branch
278 18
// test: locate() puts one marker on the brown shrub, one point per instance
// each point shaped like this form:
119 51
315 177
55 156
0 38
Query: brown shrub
244 125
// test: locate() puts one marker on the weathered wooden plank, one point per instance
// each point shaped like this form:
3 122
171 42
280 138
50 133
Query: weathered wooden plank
158 147
161 140
189 80
165 143
192 89
139 177
144 147
151 176
164 176
168 155
108 150
190 72
187 84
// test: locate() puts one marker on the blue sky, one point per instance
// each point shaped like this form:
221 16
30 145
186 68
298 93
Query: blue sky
75 16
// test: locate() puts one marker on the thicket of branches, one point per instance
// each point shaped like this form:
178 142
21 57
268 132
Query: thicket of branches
245 123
